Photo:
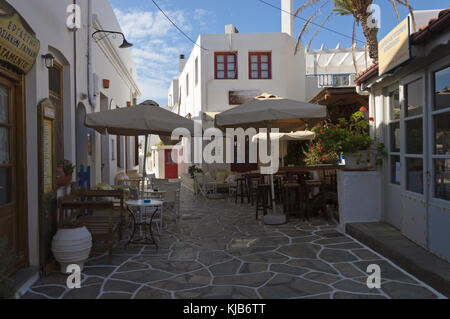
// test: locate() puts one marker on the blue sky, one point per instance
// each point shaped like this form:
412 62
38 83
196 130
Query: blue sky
157 44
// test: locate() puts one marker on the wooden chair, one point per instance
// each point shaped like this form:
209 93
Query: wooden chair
103 218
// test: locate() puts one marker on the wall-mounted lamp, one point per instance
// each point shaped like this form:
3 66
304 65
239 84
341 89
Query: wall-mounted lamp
125 44
49 60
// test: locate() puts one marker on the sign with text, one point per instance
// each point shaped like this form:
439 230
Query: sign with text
17 47
242 96
395 48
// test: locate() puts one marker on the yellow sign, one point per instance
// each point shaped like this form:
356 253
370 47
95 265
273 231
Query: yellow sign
17 47
395 48
47 153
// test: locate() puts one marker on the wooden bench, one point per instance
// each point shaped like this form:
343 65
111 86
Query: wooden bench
103 218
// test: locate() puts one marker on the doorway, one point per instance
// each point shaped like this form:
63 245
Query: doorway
13 204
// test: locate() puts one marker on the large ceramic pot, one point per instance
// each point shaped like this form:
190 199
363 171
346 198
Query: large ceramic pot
356 160
71 246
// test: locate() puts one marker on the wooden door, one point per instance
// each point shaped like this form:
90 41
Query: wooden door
9 214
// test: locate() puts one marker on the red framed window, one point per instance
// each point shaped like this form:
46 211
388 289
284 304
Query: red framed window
225 65
260 65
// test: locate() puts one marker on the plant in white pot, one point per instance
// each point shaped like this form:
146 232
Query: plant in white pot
350 138
71 245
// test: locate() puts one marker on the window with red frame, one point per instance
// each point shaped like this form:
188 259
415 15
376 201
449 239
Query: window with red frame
225 65
260 65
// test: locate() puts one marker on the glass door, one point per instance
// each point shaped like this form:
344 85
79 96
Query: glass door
413 161
439 160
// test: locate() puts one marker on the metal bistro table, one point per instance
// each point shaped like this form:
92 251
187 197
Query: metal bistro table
145 220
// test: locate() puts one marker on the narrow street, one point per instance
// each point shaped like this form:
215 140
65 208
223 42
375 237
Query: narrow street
219 251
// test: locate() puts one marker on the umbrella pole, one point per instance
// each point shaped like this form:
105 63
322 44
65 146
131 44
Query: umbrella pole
144 173
272 186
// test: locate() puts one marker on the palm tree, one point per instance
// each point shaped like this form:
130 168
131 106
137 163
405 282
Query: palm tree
355 8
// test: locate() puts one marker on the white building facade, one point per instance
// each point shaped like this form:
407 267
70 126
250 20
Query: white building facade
87 76
410 107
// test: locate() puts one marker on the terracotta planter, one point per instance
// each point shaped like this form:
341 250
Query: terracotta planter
71 246
59 175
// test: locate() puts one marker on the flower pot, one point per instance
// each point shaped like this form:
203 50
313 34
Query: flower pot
67 179
59 175
71 246
356 160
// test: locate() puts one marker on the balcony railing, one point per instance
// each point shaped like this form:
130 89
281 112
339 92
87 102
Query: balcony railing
335 80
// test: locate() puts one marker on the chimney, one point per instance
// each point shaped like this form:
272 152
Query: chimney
230 28
287 17
181 63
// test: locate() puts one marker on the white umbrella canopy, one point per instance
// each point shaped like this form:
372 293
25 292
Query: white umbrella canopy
271 111
294 136
285 114
140 120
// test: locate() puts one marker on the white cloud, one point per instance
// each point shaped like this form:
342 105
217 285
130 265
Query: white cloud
157 45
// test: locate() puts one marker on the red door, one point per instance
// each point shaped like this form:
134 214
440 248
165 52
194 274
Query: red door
171 167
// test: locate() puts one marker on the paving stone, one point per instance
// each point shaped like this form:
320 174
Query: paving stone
218 250
313 265
289 270
348 270
115 296
249 280
122 286
175 267
335 256
218 292
405 291
209 258
186 281
351 286
329 234
322 277
51 291
346 295
344 246
227 268
300 250
248 268
284 286
268 257
142 277
99 271
130 266
307 239
365 254
387 270
89 292
151 293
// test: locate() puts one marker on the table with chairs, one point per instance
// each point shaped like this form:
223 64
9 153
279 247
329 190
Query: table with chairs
303 192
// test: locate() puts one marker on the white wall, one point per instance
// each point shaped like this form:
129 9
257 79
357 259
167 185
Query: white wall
47 19
210 95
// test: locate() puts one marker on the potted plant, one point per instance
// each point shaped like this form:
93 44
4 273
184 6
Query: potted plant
64 173
71 244
350 138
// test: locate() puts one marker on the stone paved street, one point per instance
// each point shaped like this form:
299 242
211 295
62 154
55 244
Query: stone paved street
218 250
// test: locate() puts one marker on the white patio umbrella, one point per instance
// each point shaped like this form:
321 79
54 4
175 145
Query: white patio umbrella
271 111
141 120
285 137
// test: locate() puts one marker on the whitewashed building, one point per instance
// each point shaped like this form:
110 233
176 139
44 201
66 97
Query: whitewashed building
42 124
225 70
